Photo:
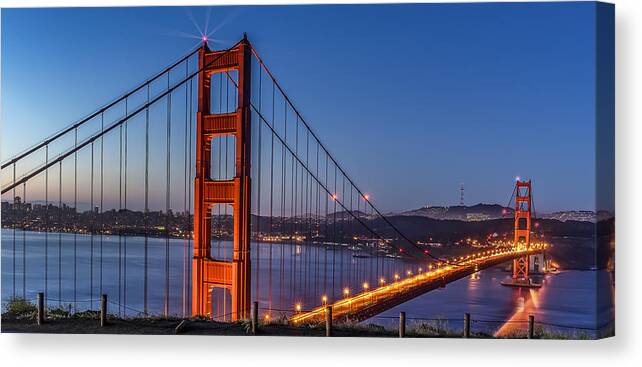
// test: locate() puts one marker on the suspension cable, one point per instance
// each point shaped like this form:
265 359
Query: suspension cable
101 110
366 200
113 126
330 194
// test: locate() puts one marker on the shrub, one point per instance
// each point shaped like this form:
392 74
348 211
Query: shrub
20 308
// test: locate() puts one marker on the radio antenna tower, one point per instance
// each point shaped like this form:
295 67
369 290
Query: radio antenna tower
461 194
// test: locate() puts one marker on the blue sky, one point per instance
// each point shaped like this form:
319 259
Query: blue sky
411 99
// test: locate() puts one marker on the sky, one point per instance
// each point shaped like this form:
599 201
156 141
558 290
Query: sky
412 100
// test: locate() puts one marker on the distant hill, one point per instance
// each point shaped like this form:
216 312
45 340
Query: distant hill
481 212
574 243
473 213
576 215
346 215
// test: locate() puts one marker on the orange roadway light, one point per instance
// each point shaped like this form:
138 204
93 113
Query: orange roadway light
382 281
366 285
324 299
396 276
346 291
298 307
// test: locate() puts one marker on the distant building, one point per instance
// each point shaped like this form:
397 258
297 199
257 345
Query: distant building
477 217
577 215
476 212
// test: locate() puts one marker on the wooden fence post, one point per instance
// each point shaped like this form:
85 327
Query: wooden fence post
255 317
41 308
531 326
103 310
466 325
402 324
328 321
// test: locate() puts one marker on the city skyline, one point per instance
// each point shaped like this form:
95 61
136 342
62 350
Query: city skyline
503 93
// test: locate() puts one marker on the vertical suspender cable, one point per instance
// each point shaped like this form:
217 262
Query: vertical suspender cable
24 243
60 224
271 194
370 274
295 188
271 214
189 189
120 218
91 231
46 220
282 220
292 216
185 198
334 228
75 221
146 212
258 214
102 220
167 190
325 234
316 226
342 231
357 274
125 222
15 224
307 214
352 235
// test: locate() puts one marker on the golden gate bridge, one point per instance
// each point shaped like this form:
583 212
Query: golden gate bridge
212 165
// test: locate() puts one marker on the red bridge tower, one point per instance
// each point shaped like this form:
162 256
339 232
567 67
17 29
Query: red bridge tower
522 237
207 272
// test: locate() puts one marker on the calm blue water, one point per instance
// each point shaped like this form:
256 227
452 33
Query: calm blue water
282 276
566 301
69 269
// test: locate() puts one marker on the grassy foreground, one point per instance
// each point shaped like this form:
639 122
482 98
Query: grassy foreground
19 316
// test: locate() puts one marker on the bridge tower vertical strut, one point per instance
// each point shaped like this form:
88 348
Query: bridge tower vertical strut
209 273
522 239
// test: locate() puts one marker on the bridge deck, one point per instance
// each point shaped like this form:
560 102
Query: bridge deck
369 303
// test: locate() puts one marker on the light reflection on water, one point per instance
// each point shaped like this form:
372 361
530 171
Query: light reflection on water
284 275
565 299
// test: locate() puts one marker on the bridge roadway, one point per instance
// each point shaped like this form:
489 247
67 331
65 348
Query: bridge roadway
372 302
